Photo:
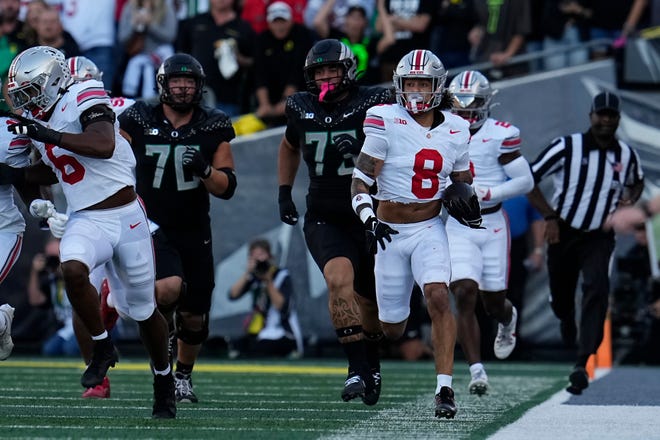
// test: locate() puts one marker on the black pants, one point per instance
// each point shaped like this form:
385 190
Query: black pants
589 253
518 276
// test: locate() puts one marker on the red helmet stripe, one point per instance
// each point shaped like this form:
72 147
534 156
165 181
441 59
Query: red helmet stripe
418 59
466 79
72 65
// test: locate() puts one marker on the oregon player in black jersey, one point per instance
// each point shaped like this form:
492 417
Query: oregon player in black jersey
183 155
325 127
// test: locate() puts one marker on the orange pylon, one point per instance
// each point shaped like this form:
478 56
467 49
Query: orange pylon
603 356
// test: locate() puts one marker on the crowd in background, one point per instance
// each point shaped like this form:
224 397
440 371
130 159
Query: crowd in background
253 50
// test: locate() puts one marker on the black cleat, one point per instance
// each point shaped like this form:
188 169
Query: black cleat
164 401
445 406
579 381
353 387
104 356
372 393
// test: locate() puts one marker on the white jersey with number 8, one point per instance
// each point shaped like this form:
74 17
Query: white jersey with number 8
417 160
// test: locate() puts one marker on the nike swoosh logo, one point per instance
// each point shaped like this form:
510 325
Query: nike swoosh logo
207 241
134 226
496 230
454 131
64 106
487 140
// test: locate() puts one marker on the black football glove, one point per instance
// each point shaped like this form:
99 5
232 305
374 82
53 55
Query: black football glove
347 144
194 161
288 211
468 213
377 233
36 131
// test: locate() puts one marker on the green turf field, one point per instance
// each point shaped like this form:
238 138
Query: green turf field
264 400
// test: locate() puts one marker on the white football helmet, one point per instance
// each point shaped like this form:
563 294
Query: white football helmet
82 69
471 97
420 64
37 78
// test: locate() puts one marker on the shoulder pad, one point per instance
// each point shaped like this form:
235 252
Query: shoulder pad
141 112
213 120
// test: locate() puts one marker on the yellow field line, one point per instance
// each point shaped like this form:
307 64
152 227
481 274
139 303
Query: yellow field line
207 368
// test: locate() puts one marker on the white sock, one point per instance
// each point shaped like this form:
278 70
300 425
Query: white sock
164 372
101 336
475 368
444 380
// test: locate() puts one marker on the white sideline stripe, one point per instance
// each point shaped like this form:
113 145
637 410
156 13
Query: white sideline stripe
552 420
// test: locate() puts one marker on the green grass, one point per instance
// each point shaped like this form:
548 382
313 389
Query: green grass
265 400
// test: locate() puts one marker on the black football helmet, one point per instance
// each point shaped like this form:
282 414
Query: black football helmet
462 203
180 64
330 52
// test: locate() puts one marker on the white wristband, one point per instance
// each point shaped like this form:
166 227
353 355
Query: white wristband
363 206
357 174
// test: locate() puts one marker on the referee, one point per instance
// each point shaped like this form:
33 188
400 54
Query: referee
593 173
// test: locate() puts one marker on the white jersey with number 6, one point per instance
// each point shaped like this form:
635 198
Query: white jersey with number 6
417 160
86 180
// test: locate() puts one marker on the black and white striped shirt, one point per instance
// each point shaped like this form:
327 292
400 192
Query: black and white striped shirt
588 181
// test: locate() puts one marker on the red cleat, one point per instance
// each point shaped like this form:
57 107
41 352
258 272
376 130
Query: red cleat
109 314
99 391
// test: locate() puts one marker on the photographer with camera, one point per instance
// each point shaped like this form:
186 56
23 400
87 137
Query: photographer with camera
46 290
272 329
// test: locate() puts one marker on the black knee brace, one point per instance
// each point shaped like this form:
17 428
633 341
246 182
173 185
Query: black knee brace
192 337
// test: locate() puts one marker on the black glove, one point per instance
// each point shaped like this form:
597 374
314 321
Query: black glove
378 232
462 203
347 144
36 131
10 175
288 212
195 162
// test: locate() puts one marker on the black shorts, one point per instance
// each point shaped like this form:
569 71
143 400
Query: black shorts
189 256
327 240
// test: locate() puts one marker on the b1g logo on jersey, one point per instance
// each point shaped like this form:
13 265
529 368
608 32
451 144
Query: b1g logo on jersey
151 132
400 121
308 115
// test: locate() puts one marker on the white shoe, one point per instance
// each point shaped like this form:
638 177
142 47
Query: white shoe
505 341
479 383
6 344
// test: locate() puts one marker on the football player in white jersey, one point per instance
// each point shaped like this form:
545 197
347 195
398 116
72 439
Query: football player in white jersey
411 150
480 257
14 156
76 132
84 69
